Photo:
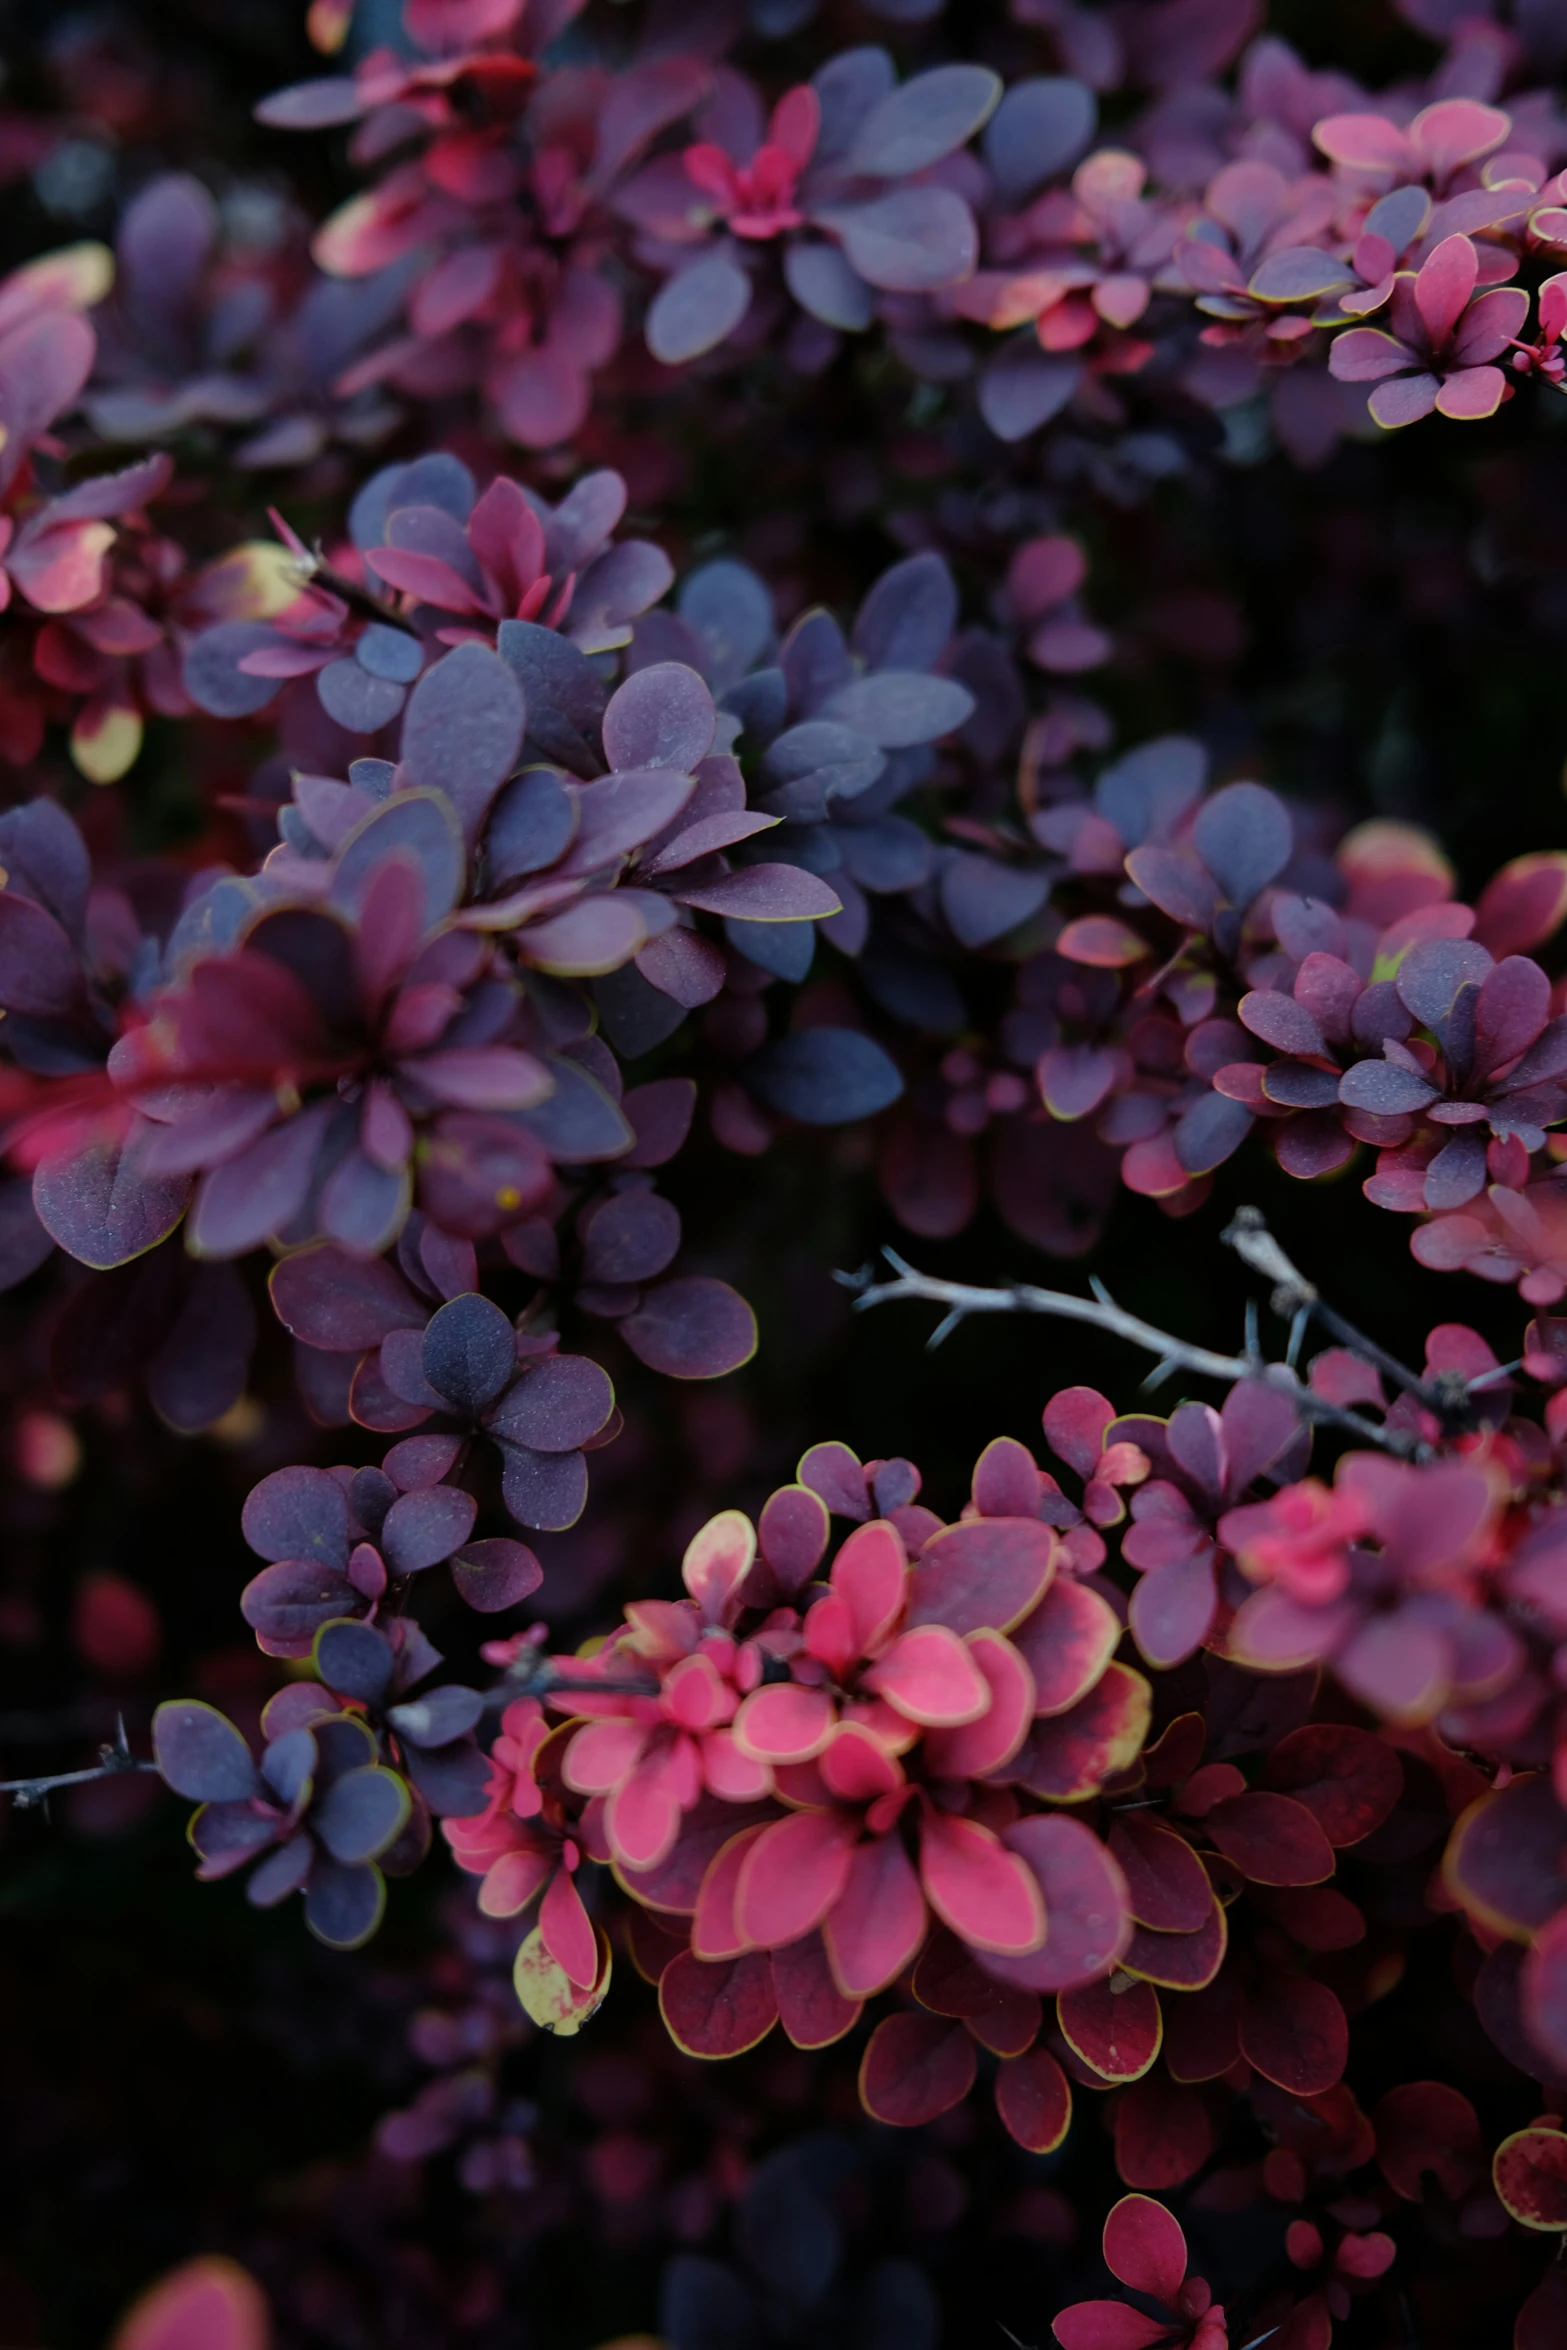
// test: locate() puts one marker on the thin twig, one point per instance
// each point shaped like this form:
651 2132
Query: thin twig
1297 1300
113 1763
534 1675
314 571
961 1299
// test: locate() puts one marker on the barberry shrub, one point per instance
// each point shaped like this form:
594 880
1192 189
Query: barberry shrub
645 650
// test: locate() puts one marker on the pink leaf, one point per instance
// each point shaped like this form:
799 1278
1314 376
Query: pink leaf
983 1572
209 2304
1107 2325
1145 2248
717 1561
715 1930
792 1876
878 1923
928 1676
784 1723
1472 395
870 1574
642 1816
1444 285
568 1932
987 1895
985 1745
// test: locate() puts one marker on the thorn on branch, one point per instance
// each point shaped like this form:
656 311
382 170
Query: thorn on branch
113 1762
962 1299
1296 1299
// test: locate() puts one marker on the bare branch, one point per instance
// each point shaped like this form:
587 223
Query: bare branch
1174 1354
1298 1301
113 1763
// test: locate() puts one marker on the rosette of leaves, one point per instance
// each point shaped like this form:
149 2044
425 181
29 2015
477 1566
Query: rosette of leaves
199 332
426 1733
438 564
845 179
351 1021
938 1666
540 1411
1145 2249
337 1541
316 1814
505 202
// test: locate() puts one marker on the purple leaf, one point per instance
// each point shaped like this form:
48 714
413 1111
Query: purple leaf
464 729
200 1369
1457 1173
696 309
1244 837
822 282
359 702
825 1076
693 1328
360 1814
343 1906
101 1210
286 1604
421 826
47 860
924 120
437 1716
201 1754
1280 1021
847 87
983 899
425 1527
765 893
1384 1088
530 826
313 106
298 1513
1040 127
1023 387
24 1243
495 1574
555 1407
469 1353
262 1188
660 717
910 242
631 1238
1172 1609
1208 1133
213 677
40 973
545 1491
329 1298
354 1660
899 708
660 1115
564 694
1300 1085
1433 971
452 1779
909 616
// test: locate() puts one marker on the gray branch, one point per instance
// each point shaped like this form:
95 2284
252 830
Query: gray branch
1295 1298
113 1763
1101 1312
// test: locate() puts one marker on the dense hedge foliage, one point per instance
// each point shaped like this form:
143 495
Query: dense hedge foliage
650 653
